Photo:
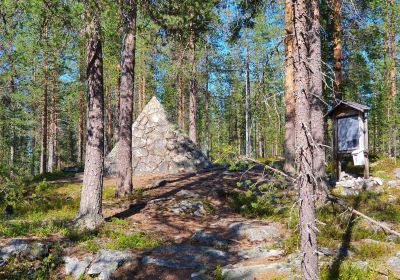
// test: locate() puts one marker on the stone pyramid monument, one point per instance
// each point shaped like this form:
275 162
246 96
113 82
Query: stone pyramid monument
158 146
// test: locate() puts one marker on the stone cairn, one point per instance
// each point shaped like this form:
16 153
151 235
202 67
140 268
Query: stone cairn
158 146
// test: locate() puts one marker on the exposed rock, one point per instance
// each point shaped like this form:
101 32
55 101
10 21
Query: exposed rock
393 183
106 262
260 252
23 249
254 231
158 146
349 185
397 172
251 272
189 207
171 263
200 275
394 262
209 239
75 267
185 256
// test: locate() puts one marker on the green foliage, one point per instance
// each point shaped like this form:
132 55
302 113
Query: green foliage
349 271
218 273
371 250
134 240
265 200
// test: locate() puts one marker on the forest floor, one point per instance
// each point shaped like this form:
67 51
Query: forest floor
218 224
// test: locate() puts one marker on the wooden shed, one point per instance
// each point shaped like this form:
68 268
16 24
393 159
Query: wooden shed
350 134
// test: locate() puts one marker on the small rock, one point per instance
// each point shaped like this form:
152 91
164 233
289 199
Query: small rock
75 267
192 207
159 183
379 181
106 262
187 194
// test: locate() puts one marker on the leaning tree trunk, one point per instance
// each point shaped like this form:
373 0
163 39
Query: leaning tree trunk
337 51
289 145
90 211
304 148
124 154
317 115
192 87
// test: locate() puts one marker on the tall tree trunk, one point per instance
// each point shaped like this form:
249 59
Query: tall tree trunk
192 86
393 80
118 97
43 149
181 95
109 127
82 115
206 105
337 51
52 165
304 148
289 144
124 157
247 108
143 90
317 115
90 210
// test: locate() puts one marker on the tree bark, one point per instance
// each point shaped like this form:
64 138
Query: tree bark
181 96
52 165
124 156
118 97
304 148
90 211
289 142
43 148
109 127
247 105
317 115
206 105
337 51
393 80
192 86
82 115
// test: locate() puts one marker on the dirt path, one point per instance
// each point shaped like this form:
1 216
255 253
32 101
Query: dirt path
191 213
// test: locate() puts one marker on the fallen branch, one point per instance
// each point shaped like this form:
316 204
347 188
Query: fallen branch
271 168
358 213
333 199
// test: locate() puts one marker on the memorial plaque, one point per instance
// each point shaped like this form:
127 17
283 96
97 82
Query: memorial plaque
348 133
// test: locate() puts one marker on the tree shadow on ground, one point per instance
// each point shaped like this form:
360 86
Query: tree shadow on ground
334 270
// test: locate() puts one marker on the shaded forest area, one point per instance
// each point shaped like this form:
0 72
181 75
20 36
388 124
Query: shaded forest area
237 52
249 84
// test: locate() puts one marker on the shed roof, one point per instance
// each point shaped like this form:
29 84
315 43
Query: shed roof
357 106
